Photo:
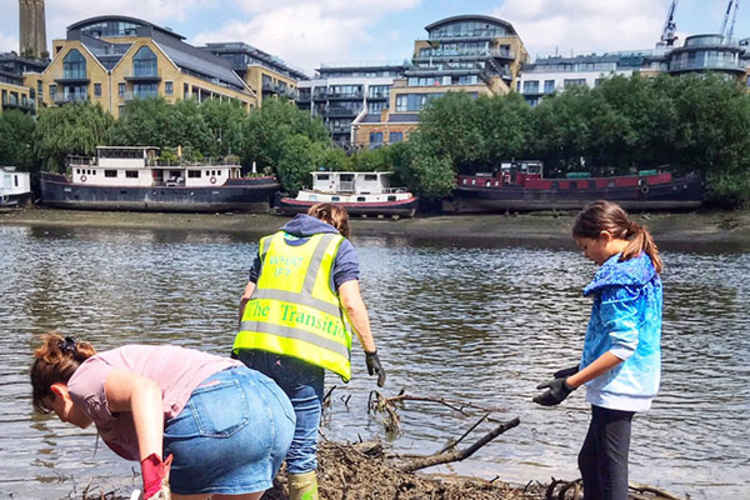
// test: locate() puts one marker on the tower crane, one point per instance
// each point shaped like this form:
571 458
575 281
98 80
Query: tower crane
670 26
726 18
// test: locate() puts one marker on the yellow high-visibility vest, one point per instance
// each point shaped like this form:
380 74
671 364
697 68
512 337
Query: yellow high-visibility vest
293 310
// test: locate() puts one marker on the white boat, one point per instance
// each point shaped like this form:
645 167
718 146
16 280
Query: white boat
135 178
15 187
361 193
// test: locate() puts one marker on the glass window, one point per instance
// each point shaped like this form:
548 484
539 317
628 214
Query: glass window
376 137
98 89
549 86
144 62
74 65
110 173
131 174
395 137
121 89
168 88
52 91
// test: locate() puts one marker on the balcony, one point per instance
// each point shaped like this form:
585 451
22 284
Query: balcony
144 78
73 80
303 97
130 95
19 104
335 111
356 96
61 99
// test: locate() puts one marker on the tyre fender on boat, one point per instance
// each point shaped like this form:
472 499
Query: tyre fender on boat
212 180
83 178
644 189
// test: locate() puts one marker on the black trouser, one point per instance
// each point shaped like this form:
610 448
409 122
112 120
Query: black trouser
603 459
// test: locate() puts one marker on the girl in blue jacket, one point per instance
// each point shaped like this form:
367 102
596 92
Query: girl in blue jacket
621 362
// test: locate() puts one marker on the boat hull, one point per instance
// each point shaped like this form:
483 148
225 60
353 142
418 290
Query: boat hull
250 195
681 193
401 208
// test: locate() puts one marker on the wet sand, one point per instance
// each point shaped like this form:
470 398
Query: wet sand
702 229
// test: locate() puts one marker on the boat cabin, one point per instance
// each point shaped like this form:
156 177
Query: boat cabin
140 166
351 182
13 184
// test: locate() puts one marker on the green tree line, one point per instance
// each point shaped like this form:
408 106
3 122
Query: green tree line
699 123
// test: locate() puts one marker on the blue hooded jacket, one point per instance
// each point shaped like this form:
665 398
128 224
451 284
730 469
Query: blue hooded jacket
625 320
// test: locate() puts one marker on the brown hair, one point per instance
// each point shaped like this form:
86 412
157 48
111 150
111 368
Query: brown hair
604 215
55 362
335 215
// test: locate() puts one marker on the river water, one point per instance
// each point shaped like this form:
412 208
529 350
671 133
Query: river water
481 324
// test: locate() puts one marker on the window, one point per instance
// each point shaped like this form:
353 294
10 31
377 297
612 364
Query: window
371 177
52 91
194 173
110 173
121 89
395 137
549 86
361 198
98 89
531 87
131 174
572 82
168 88
74 66
376 137
323 177
185 91
144 62
145 90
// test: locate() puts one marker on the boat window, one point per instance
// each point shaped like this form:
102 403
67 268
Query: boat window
347 177
131 174
78 170
371 177
391 198
335 198
194 173
323 177
110 173
360 198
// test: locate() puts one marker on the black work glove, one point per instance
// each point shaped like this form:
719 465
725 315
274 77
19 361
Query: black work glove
566 372
374 367
557 391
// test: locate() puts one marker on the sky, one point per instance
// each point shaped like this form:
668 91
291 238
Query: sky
311 33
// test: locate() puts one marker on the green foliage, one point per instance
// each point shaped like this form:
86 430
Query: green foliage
17 140
425 173
266 129
372 160
298 157
73 129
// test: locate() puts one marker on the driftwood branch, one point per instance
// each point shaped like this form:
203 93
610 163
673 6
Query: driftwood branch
452 444
458 455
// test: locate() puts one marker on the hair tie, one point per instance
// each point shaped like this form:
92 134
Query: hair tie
68 346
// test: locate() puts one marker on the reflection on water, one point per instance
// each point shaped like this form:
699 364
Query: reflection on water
476 323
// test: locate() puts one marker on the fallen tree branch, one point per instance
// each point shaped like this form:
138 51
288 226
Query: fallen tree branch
458 455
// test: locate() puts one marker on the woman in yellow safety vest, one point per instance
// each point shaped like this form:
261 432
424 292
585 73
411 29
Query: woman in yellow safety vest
297 313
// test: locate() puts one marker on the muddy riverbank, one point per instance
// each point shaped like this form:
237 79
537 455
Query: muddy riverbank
702 228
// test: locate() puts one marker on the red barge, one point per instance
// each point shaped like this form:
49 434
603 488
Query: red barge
520 186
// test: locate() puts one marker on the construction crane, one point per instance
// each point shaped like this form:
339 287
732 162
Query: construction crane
730 33
670 26
726 17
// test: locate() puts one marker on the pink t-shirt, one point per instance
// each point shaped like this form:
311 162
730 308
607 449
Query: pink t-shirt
177 370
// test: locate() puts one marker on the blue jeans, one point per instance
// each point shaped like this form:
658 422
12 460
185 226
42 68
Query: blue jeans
303 383
232 435
603 459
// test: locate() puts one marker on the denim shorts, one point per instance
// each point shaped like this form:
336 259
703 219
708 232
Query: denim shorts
232 435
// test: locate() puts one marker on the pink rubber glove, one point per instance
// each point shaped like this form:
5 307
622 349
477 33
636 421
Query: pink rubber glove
155 476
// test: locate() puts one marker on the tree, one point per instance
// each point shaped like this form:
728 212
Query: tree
425 173
72 129
298 157
17 140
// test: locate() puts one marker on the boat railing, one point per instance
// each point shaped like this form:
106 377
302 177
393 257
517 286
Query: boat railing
81 160
157 162
395 190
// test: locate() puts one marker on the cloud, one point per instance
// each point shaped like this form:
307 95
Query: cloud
8 43
306 34
585 26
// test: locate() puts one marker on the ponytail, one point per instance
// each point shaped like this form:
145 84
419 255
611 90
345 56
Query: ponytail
607 216
55 361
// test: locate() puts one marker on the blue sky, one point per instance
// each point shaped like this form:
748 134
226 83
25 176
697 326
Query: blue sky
308 33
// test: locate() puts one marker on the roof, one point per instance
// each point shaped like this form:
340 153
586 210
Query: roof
488 19
199 60
99 19
371 118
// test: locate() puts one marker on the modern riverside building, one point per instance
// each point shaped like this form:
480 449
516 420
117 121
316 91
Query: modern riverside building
551 74
699 54
268 75
480 55
341 94
15 93
111 60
